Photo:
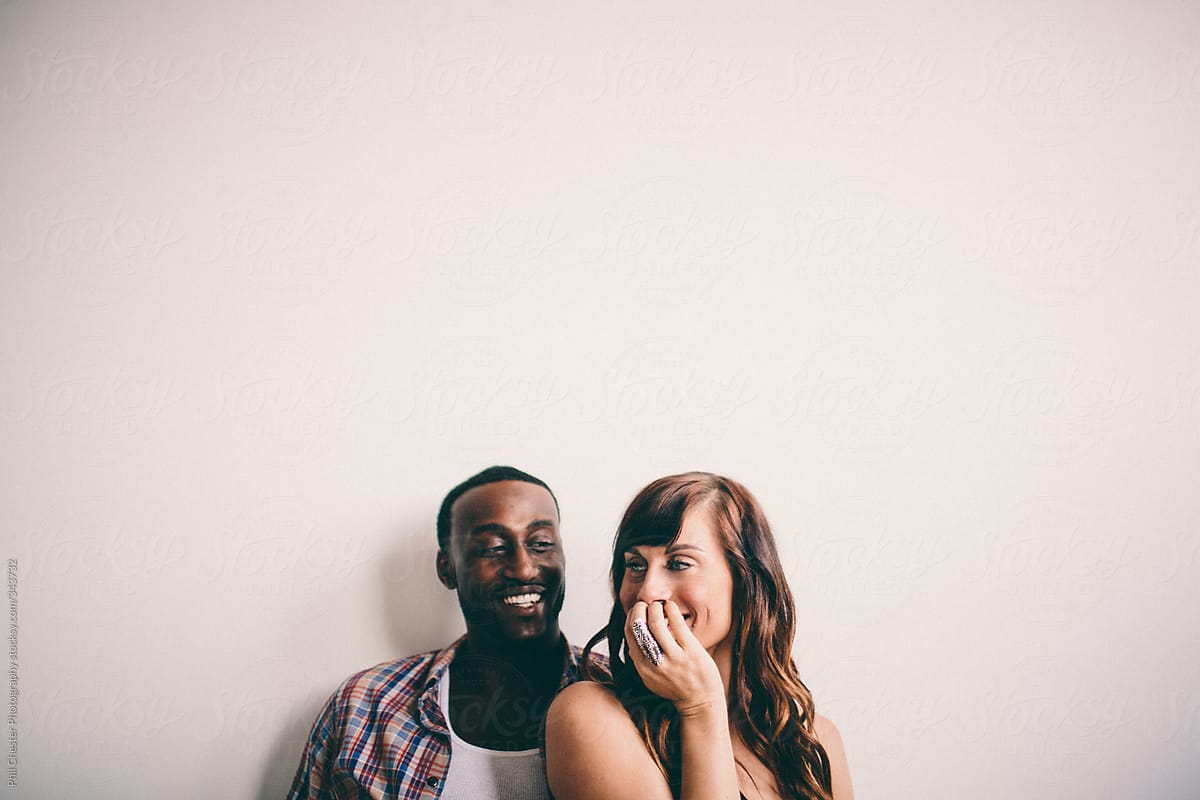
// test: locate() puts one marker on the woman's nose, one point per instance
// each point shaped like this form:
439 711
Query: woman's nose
654 587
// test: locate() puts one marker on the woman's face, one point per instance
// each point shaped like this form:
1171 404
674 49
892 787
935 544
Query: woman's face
693 572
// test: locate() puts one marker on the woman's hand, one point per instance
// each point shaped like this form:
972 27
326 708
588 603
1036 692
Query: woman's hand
685 674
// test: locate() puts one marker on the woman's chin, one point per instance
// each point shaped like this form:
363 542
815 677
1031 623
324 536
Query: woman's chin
721 648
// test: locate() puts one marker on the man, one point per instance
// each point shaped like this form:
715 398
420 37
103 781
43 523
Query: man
465 721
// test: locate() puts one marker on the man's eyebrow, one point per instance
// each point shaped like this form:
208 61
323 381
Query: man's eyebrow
487 527
496 527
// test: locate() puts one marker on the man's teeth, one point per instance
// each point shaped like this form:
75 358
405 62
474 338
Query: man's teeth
523 600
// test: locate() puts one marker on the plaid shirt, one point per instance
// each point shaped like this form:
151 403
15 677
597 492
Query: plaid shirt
383 735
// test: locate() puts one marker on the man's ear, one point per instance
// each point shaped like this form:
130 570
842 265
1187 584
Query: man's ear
445 570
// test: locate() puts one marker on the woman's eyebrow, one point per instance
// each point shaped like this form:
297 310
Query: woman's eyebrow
675 548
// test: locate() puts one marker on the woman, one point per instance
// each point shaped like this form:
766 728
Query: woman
705 701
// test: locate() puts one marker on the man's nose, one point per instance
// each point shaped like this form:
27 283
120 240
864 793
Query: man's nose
521 566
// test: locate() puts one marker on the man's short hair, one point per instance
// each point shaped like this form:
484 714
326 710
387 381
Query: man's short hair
489 475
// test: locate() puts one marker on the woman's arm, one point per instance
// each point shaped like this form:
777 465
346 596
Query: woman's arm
687 676
707 769
839 771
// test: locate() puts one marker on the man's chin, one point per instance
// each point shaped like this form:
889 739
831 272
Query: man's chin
527 628
515 623
516 632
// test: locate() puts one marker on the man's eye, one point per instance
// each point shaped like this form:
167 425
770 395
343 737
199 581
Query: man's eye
541 547
494 550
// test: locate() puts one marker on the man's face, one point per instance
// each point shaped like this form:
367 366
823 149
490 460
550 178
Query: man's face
505 559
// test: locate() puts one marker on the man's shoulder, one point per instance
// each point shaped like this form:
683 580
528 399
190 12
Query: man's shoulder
598 662
398 680
387 672
402 679
593 657
374 717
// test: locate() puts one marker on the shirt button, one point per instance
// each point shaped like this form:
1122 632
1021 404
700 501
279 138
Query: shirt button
432 781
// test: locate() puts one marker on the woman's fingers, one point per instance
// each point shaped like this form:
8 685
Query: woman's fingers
639 639
663 631
668 656
657 635
635 616
657 621
679 627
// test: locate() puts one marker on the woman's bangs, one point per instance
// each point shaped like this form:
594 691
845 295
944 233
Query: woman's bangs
662 533
656 523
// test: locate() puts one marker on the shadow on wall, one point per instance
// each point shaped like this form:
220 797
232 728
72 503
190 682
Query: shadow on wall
419 614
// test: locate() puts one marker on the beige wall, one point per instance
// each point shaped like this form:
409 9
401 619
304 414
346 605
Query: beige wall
925 277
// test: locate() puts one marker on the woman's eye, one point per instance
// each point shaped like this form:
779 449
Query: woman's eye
676 564
634 566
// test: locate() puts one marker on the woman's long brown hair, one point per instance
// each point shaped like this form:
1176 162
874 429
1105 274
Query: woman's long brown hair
769 706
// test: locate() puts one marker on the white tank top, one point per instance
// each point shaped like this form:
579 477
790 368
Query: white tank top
477 773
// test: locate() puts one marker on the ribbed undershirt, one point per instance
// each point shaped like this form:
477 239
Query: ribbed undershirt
477 773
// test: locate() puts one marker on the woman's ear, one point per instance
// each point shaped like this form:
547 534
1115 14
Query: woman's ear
445 570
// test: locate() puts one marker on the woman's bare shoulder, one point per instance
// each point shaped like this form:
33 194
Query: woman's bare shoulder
581 716
826 731
585 711
831 739
587 692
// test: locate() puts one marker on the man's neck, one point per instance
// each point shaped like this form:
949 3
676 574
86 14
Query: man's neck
499 694
538 661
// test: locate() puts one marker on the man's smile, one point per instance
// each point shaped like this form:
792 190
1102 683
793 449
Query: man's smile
523 597
523 600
